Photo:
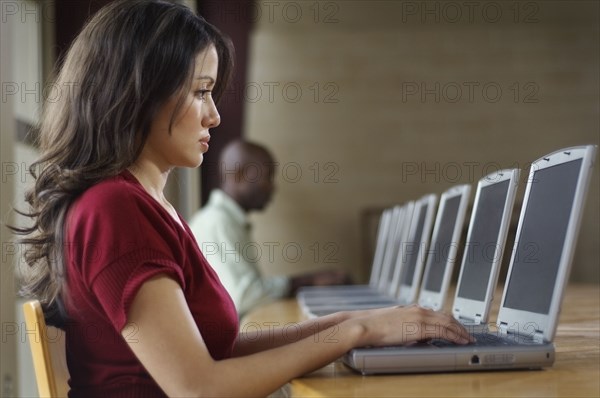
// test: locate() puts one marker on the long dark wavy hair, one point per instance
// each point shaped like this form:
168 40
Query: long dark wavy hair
128 60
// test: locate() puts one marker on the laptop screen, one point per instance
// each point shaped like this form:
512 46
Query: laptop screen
382 231
414 247
542 238
437 257
480 250
392 245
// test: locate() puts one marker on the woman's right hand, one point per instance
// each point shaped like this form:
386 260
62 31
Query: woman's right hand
402 325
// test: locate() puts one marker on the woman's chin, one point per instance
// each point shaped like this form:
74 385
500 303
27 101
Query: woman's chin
198 161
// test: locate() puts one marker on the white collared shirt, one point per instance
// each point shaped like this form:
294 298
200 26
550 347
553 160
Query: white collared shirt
223 233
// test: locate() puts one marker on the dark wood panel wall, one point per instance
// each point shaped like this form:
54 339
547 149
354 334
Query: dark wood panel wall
233 18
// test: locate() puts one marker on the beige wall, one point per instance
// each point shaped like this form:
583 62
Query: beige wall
360 124
8 346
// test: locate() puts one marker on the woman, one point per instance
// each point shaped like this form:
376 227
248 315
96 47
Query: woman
111 259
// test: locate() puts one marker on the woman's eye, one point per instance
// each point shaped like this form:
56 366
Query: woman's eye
202 94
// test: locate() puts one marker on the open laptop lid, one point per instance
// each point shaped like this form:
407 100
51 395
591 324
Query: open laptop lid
387 277
441 255
484 247
382 233
309 293
545 242
409 209
416 249
388 254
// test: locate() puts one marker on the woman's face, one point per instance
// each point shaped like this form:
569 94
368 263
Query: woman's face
188 140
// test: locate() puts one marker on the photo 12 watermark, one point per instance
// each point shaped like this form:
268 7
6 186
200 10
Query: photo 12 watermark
469 92
454 12
37 93
289 92
22 11
271 252
271 12
17 172
291 172
327 172
89 331
290 332
455 172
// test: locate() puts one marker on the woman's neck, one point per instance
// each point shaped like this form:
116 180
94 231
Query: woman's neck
152 178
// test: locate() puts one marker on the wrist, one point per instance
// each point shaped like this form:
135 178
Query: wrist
343 316
358 331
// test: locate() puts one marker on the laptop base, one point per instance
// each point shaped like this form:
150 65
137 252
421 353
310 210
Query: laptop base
411 359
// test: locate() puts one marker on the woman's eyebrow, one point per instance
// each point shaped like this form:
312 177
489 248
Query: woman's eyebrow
212 81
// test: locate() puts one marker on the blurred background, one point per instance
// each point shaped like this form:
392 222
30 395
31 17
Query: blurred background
364 104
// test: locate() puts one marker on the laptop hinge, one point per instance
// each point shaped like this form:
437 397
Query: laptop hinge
537 336
503 328
470 320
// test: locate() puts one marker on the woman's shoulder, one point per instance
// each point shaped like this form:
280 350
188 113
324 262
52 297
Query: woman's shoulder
116 209
114 193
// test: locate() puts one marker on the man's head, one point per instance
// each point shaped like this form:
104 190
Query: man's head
246 174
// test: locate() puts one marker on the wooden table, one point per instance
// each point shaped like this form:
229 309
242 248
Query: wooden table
575 373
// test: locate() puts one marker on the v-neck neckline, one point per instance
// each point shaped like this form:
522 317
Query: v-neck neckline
179 221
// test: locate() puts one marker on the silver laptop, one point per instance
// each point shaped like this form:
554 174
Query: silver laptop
410 252
390 263
442 254
446 234
314 293
484 248
392 273
538 273
416 249
401 217
383 266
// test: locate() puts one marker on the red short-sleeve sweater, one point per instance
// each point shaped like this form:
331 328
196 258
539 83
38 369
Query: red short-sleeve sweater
117 237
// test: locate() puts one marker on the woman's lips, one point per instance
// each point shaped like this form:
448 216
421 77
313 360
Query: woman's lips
204 142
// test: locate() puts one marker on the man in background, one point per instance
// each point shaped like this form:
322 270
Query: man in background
224 234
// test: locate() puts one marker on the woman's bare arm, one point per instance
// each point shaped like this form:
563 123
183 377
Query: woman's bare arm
270 335
171 348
